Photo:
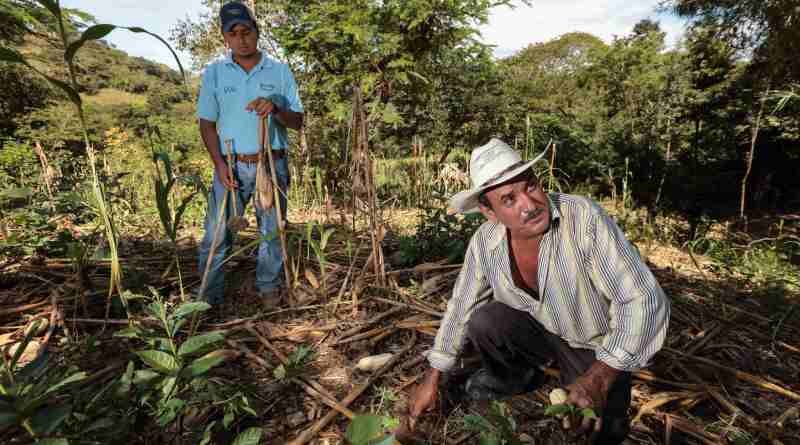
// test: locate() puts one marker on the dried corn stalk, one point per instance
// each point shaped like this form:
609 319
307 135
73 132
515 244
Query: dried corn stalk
363 179
264 196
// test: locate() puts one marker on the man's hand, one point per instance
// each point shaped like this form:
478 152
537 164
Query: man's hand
261 106
224 177
424 397
591 391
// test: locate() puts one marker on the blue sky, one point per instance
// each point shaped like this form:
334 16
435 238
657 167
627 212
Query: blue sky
508 29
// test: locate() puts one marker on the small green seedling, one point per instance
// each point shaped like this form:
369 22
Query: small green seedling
562 409
297 360
371 429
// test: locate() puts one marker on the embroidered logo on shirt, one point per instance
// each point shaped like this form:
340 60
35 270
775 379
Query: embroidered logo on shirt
267 87
229 90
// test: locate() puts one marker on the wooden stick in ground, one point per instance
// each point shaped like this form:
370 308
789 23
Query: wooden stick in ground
370 322
309 434
214 245
758 381
235 222
279 211
311 387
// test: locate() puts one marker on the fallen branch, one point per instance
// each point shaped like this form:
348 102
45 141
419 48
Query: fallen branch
311 387
758 381
308 434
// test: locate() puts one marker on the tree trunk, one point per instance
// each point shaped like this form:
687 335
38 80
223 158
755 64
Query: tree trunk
749 160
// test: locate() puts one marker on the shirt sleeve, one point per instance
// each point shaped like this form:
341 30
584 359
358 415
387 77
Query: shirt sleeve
639 309
470 289
292 93
207 105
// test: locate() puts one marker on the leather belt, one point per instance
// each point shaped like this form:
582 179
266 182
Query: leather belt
255 157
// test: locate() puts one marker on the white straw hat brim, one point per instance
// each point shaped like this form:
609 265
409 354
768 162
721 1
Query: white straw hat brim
467 201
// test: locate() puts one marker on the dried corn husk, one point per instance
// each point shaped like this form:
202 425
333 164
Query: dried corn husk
235 222
264 197
373 362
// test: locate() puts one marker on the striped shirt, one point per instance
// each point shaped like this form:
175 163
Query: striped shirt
595 291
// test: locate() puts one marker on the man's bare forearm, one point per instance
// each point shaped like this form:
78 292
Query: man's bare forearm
208 132
290 119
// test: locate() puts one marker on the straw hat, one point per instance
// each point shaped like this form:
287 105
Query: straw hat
489 165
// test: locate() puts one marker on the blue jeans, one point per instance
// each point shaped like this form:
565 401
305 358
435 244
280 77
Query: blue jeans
269 270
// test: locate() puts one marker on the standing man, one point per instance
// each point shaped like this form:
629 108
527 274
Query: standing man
548 276
235 93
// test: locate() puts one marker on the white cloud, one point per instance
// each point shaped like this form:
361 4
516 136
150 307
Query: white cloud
157 16
511 29
508 29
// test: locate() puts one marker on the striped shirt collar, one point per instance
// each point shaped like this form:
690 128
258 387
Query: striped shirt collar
499 233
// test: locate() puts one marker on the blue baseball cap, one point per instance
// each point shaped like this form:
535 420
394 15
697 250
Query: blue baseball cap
235 13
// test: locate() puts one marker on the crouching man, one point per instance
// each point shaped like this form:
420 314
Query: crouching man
548 276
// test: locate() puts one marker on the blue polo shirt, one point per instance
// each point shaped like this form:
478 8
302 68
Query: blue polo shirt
227 89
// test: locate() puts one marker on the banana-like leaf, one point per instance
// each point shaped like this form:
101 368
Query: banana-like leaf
199 342
95 32
176 325
250 436
52 441
144 377
489 439
23 345
203 364
182 208
160 361
125 382
190 308
168 385
51 6
137 29
8 418
325 236
77 377
129 332
9 55
99 31
48 418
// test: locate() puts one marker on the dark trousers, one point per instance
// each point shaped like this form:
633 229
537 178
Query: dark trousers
511 342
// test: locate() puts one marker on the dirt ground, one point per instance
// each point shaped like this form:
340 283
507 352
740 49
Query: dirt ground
728 373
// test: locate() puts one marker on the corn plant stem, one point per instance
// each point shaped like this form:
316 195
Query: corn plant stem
309 434
347 277
180 276
279 211
214 243
115 281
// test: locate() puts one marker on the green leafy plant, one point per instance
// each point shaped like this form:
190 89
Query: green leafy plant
175 378
35 398
496 428
569 409
171 220
370 429
439 235
318 248
296 361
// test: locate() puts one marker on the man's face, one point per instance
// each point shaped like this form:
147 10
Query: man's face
521 205
242 40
